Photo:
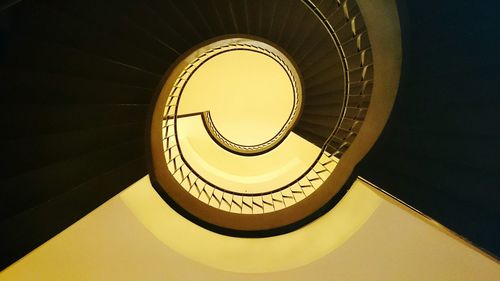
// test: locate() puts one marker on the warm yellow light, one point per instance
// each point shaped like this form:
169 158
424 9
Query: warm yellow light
237 173
249 95
229 108
251 255
395 243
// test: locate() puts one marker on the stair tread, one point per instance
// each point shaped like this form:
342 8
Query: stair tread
37 186
34 152
32 120
27 54
66 89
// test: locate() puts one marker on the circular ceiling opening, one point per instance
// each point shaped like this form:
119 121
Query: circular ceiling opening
250 95
230 134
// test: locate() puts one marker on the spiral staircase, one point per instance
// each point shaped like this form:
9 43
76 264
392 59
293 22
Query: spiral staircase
78 79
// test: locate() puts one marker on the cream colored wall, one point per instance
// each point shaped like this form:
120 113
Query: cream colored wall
394 243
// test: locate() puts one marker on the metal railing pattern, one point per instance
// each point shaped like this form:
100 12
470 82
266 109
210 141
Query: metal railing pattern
344 23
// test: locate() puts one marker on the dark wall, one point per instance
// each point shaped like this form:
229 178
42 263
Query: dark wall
440 150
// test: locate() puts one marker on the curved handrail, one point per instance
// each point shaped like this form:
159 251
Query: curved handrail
336 143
